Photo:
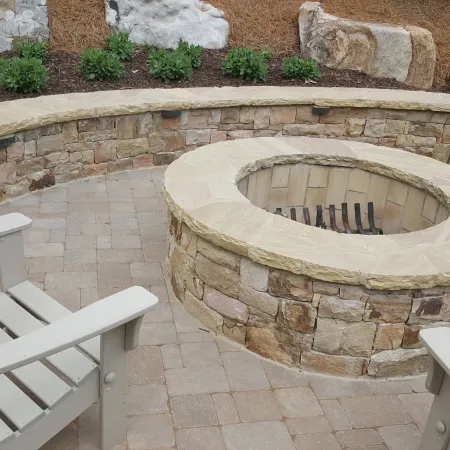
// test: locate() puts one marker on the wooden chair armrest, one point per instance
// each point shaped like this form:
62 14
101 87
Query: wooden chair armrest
100 317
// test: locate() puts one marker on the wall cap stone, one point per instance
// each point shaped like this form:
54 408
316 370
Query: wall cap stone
25 114
201 190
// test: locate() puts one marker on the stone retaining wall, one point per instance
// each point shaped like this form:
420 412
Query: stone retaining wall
299 321
63 151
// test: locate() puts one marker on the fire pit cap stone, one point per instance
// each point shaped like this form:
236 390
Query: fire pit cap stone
201 190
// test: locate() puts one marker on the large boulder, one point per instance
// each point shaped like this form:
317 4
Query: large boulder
22 18
381 50
164 22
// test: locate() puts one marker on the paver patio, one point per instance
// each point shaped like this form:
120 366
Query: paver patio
188 389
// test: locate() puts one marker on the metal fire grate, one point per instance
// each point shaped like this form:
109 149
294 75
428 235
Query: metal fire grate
320 222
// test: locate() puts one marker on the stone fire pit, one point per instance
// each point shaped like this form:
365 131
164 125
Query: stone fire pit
308 297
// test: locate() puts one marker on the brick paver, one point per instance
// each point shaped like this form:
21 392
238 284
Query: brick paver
188 389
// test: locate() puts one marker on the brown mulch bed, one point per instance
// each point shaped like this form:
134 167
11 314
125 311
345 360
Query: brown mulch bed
65 78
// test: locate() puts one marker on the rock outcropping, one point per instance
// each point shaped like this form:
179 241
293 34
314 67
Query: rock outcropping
164 22
407 54
22 18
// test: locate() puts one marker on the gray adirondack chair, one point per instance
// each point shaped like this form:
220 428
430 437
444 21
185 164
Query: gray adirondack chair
437 430
55 364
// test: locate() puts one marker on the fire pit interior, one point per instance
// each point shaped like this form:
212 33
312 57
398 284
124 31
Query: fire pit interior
244 260
342 199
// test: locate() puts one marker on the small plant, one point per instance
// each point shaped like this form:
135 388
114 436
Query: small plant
250 65
169 66
195 52
295 67
23 75
120 44
98 64
30 49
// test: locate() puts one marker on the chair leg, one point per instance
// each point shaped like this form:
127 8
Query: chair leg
12 261
437 430
113 384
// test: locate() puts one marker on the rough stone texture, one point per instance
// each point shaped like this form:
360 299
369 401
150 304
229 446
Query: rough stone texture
336 337
289 285
209 317
227 306
406 54
398 362
298 316
336 308
389 336
218 255
254 275
282 345
163 24
336 365
22 18
387 307
260 300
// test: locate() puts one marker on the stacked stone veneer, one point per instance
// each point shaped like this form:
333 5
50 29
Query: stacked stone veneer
64 151
294 319
398 207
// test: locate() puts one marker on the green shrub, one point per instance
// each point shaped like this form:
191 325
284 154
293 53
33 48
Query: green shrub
169 66
30 49
296 67
98 64
247 64
195 53
120 44
23 75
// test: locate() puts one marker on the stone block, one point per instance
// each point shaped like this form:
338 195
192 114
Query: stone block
55 159
426 129
132 147
335 116
325 288
217 276
70 132
230 115
318 176
290 285
441 152
49 144
332 364
298 316
247 114
254 275
280 176
304 130
259 300
163 159
8 173
334 130
198 137
184 266
95 169
86 125
218 136
336 308
411 336
188 241
195 119
281 115
380 50
167 141
210 318
262 118
394 127
305 115
234 331
15 152
49 130
413 209
97 136
127 127
214 253
29 166
30 149
79 147
105 151
410 141
282 345
387 308
430 208
348 292
144 125
336 337
225 305
389 336
430 309
240 134
399 362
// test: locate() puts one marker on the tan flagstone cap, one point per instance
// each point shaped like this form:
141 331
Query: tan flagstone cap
201 190
25 114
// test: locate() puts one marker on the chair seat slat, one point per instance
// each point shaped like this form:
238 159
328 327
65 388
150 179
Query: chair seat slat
71 362
40 380
16 405
49 310
5 432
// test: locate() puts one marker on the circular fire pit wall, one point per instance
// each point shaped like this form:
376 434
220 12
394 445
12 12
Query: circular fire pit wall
346 304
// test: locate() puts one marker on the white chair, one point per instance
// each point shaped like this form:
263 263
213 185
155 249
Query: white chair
55 364
437 430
